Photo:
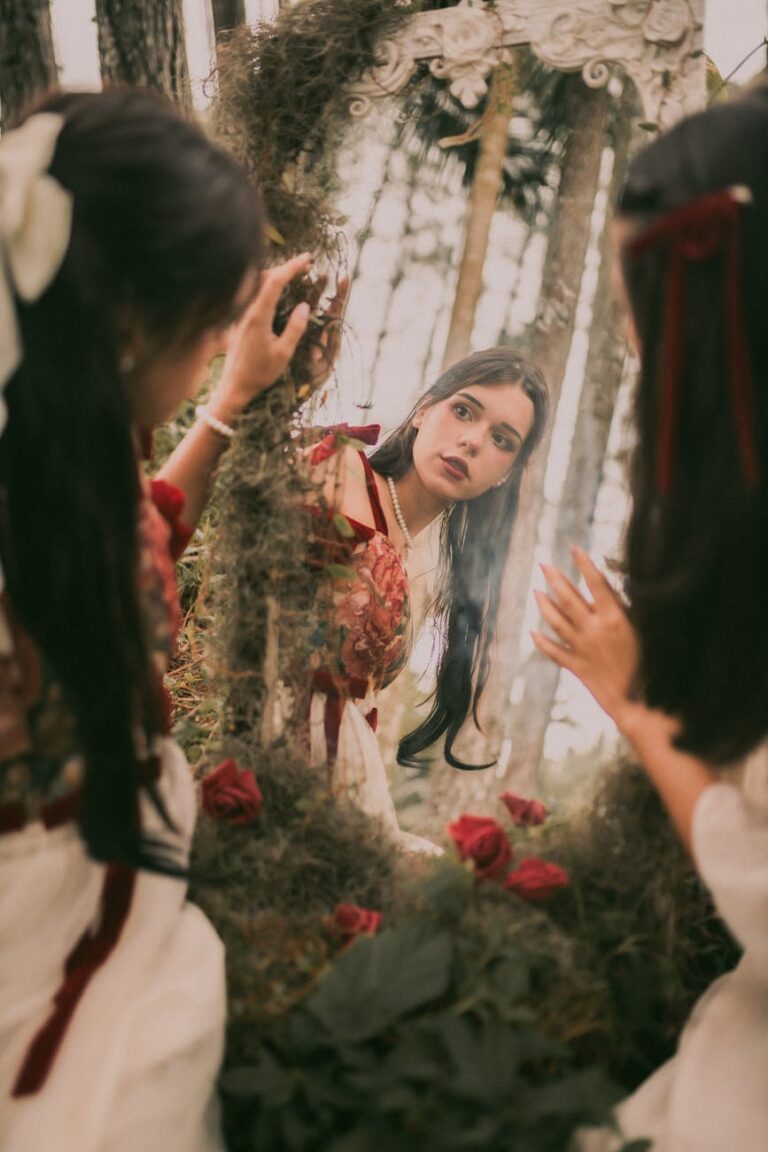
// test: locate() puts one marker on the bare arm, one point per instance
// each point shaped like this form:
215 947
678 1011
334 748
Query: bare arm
255 360
598 644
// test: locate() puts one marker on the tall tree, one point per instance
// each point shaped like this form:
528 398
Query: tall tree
142 42
227 14
603 372
585 113
27 60
486 186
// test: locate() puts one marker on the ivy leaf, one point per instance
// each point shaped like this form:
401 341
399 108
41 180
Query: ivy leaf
342 525
274 235
341 572
381 979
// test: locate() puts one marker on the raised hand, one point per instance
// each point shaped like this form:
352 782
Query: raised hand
596 640
257 356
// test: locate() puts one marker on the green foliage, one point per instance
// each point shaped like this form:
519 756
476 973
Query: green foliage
474 1020
391 1052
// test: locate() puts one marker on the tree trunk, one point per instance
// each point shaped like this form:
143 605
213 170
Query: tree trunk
141 42
227 14
27 60
486 186
548 346
603 374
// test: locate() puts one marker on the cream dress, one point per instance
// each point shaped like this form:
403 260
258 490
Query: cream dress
112 997
137 1063
712 1096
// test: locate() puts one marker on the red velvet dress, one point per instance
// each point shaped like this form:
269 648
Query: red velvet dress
359 647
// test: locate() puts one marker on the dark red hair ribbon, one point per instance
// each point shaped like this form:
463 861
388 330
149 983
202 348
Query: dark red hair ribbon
699 231
328 446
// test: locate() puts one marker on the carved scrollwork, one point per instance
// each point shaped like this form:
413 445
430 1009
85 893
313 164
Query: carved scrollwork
656 42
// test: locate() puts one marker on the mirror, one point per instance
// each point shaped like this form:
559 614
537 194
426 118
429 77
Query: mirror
480 152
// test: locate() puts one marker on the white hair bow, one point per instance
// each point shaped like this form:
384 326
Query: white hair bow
35 226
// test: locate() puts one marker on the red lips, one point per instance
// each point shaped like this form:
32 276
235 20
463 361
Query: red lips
456 467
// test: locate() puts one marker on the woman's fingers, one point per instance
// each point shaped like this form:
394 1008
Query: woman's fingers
555 618
558 653
567 598
600 590
274 280
287 343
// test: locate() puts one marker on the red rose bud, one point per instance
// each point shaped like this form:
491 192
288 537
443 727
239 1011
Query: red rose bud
484 842
536 880
168 499
351 920
231 794
525 813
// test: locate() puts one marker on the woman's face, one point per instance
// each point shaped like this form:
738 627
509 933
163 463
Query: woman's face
468 442
162 381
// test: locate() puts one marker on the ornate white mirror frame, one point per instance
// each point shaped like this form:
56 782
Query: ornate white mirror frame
657 43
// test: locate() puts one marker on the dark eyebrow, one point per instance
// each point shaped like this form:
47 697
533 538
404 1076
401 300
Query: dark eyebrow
503 424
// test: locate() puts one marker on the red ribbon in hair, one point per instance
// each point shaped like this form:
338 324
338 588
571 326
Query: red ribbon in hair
699 231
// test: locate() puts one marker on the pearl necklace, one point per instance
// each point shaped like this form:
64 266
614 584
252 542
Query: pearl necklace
399 513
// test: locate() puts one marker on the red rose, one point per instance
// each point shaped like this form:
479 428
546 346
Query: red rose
351 920
484 842
524 812
536 880
231 794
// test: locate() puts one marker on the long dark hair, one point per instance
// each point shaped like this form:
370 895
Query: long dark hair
166 224
697 552
474 543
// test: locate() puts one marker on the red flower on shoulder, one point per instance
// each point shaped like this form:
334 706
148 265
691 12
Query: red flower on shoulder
536 880
231 794
484 842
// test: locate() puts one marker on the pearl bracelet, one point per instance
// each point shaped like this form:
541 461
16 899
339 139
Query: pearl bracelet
214 423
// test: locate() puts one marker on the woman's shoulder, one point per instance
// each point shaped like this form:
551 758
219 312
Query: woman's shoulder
339 479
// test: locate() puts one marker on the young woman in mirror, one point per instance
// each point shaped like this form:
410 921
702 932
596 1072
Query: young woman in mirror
128 245
683 670
459 456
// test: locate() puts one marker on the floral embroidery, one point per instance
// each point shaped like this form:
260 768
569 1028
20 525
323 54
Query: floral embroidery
372 614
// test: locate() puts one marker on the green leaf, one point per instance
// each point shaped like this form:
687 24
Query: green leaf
267 1080
488 1057
342 525
341 572
380 979
351 442
273 234
448 890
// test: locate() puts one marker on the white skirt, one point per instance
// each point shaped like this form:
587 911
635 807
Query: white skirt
358 769
136 1066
